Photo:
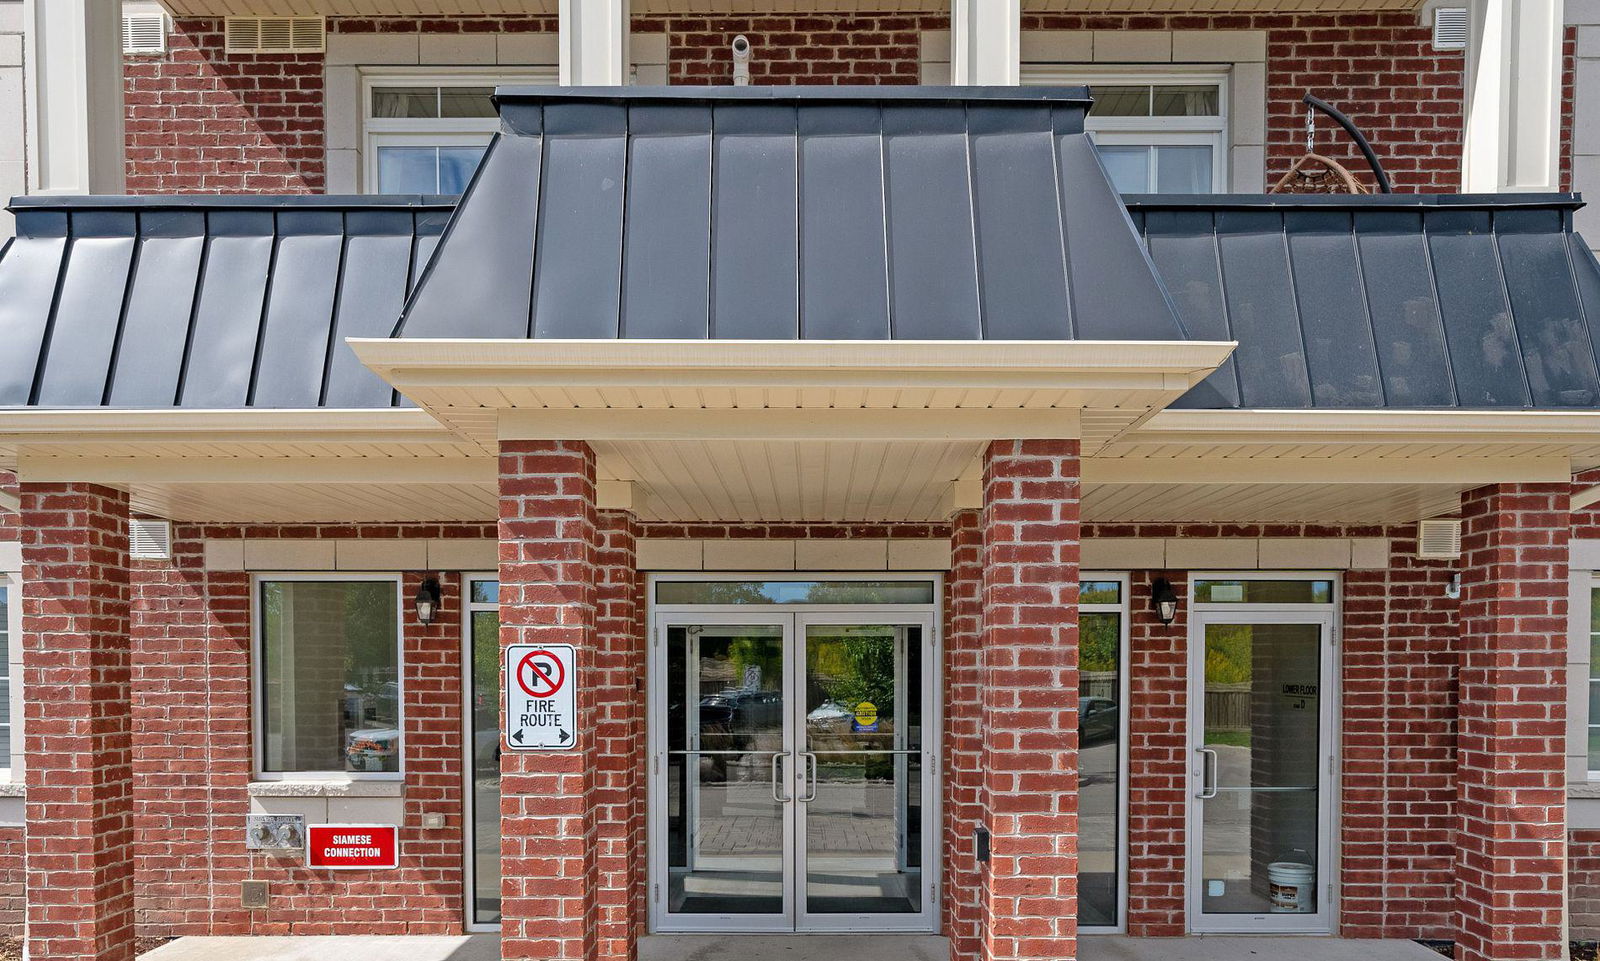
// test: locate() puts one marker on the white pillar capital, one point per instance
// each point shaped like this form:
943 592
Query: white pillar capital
1513 96
986 43
594 43
75 121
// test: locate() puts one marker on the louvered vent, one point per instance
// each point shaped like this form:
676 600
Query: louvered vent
276 35
1439 539
1450 28
144 33
149 540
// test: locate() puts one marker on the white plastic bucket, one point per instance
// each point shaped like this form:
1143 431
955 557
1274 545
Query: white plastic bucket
1291 886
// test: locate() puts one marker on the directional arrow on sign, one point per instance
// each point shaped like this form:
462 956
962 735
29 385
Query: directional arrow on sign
517 736
565 737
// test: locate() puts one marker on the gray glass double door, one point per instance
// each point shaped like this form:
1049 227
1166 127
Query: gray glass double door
792 772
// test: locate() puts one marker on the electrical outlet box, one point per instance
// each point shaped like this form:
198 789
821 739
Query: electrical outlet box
253 894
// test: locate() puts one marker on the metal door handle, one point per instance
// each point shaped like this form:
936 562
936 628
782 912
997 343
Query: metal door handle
811 763
1208 765
777 759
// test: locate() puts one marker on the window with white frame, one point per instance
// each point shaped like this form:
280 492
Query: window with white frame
427 134
1594 678
329 676
10 622
1156 134
1102 710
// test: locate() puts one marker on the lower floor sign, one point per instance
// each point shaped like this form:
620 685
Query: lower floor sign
348 847
541 697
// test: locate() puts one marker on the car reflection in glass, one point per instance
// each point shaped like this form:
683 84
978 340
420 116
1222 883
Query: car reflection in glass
1097 719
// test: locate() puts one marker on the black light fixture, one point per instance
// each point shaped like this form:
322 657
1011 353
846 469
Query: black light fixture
1163 600
427 600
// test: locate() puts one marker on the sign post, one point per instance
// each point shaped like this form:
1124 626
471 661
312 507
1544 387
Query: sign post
541 697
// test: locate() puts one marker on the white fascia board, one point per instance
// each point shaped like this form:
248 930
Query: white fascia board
1366 426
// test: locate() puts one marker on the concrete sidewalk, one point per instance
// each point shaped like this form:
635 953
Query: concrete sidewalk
816 947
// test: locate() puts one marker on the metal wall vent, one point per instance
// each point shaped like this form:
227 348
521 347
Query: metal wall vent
1439 539
1450 28
276 34
149 539
144 33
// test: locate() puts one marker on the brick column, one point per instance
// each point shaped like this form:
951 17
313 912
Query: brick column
963 734
1158 769
77 722
620 737
548 808
1511 793
1030 700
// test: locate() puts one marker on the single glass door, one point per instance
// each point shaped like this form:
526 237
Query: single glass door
864 777
726 793
1260 690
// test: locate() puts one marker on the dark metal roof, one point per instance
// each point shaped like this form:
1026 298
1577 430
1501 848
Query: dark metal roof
1400 301
205 302
945 215
776 213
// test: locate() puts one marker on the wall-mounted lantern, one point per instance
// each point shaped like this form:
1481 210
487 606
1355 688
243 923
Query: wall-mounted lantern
1163 600
427 601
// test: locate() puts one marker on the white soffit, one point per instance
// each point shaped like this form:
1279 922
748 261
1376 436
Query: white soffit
788 390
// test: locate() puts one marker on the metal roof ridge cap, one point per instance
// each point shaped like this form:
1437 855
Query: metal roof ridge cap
1568 200
1075 94
72 202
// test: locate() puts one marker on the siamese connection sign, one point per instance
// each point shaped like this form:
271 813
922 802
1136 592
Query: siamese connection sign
541 697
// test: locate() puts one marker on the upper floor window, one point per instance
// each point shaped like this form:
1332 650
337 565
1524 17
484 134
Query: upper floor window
1156 134
329 679
10 620
427 134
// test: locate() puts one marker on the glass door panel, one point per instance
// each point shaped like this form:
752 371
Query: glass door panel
863 776
1261 763
483 718
728 765
1099 767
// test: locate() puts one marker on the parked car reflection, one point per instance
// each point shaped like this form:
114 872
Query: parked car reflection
1097 719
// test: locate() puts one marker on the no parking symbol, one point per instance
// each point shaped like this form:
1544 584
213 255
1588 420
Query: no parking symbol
541 699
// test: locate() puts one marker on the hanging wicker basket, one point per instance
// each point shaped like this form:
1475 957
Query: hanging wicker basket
1316 174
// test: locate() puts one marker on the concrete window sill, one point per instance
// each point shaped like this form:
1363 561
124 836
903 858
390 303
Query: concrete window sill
334 789
13 789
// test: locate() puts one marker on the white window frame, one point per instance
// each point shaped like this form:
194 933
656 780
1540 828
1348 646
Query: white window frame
1210 132
468 749
258 642
1123 610
11 770
379 132
1581 611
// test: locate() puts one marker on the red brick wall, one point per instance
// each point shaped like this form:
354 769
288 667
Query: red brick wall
1510 843
1398 679
1379 68
1030 700
1583 884
814 48
620 735
192 640
201 121
80 781
963 734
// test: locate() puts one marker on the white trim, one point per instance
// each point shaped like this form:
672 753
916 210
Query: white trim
468 749
1330 617
257 653
1123 609
11 771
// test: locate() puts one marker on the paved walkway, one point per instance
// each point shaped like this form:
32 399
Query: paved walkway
485 947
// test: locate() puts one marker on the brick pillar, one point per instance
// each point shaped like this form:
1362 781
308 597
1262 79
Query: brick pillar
1030 700
963 734
619 737
1158 770
548 810
77 722
1511 787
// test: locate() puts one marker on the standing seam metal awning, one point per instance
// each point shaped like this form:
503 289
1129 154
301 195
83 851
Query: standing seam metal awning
792 213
